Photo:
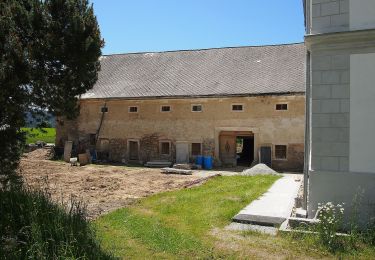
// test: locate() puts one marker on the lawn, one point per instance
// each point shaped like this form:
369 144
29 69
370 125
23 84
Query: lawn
190 223
45 134
179 224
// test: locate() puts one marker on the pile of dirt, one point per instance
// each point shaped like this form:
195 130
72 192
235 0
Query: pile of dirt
40 154
101 188
259 169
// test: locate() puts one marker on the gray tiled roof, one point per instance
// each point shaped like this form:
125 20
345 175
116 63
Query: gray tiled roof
275 69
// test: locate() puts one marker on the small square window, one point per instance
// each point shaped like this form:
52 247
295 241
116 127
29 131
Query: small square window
165 108
280 151
196 149
196 108
281 106
133 109
165 148
104 109
237 107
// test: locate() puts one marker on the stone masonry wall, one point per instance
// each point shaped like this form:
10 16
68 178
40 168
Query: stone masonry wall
149 126
330 111
329 16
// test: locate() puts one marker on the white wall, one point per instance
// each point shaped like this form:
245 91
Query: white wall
362 14
362 112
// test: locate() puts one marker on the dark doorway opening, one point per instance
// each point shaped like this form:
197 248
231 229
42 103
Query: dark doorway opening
133 150
245 150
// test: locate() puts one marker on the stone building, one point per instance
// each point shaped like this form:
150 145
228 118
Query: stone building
340 146
229 103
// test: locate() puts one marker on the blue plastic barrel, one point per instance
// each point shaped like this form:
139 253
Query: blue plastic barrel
207 162
199 160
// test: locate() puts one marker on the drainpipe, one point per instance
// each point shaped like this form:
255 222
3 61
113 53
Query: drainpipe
307 131
101 122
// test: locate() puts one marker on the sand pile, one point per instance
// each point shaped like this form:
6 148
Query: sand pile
259 169
40 154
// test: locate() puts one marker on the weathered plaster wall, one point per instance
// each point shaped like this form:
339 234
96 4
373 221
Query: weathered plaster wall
150 125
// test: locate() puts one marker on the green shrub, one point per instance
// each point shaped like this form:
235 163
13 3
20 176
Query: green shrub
330 221
33 227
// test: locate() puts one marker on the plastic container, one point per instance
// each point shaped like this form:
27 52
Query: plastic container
207 162
199 160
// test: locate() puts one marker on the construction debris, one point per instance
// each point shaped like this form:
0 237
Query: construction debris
68 150
73 161
184 166
259 169
158 164
176 171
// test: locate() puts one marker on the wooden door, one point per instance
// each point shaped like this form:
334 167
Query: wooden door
133 150
228 149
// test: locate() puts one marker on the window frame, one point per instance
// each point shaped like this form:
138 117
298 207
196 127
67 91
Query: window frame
200 150
193 105
102 108
161 147
92 139
237 104
282 104
286 152
129 107
161 108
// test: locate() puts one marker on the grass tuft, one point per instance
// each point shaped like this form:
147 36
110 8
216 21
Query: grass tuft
33 227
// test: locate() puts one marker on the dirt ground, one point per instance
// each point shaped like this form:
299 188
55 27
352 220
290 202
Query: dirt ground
101 188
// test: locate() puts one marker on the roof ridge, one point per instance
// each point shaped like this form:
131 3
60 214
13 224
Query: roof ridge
204 49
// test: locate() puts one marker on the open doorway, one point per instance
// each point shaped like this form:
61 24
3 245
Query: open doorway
244 150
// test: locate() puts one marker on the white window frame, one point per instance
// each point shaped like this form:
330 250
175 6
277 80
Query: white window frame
161 108
237 104
286 152
192 105
282 103
131 111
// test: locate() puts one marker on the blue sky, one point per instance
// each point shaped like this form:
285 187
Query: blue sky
160 25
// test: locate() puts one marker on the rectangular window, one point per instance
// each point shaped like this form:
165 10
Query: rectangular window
281 106
165 148
280 151
133 109
104 109
237 107
165 108
196 108
92 139
196 149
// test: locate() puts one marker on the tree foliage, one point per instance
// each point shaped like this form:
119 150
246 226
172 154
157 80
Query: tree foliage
49 56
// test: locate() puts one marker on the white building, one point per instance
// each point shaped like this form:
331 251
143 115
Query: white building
340 94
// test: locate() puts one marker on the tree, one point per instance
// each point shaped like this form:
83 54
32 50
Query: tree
49 56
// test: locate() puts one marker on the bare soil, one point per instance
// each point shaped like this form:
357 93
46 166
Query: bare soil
101 188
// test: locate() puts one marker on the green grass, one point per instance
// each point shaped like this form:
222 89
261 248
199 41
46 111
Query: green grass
45 134
178 224
190 223
34 227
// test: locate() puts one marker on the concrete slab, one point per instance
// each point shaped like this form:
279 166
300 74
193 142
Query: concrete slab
274 206
248 227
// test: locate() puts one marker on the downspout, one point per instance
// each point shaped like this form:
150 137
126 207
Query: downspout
101 122
307 132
